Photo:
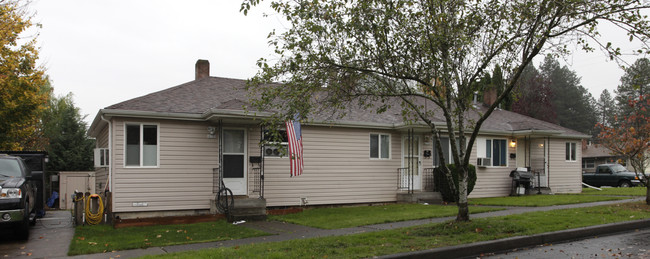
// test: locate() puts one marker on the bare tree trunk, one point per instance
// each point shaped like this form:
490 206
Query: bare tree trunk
647 193
463 210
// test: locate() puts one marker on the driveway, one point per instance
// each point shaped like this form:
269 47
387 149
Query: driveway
50 237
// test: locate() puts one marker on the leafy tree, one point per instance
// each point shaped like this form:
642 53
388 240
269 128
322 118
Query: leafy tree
573 104
606 109
634 84
533 96
24 90
405 53
69 147
631 138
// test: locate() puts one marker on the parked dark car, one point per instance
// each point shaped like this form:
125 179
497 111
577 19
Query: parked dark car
611 175
17 196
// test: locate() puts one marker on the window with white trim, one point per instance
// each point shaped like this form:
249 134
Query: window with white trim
380 146
494 149
570 154
275 143
141 145
101 157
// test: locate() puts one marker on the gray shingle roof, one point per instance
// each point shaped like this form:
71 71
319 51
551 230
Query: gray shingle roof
200 96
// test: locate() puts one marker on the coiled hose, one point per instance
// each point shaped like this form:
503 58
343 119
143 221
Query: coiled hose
94 218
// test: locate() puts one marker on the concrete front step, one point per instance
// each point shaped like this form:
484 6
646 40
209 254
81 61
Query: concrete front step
245 209
419 197
248 209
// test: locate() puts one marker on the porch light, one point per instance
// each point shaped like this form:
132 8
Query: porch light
513 143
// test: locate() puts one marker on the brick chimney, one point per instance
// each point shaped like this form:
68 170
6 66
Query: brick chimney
490 96
201 69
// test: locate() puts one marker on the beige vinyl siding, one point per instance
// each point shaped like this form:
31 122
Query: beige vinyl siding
493 181
101 173
337 170
564 176
182 181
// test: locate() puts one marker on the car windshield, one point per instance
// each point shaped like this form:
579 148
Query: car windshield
9 168
618 168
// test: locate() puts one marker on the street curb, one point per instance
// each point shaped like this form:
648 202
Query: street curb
475 249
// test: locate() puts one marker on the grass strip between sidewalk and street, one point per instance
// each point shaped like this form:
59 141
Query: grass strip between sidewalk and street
631 191
542 200
345 217
428 236
104 238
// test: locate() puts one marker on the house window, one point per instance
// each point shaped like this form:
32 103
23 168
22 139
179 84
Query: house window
275 143
588 163
101 157
380 146
570 151
493 149
141 145
437 160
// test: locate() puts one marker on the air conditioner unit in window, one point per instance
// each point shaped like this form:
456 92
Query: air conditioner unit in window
272 151
483 162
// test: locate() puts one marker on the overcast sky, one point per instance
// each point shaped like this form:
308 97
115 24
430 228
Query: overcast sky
105 52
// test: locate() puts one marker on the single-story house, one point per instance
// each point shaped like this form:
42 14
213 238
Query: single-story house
158 154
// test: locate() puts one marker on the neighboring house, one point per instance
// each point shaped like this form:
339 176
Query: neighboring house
594 155
158 154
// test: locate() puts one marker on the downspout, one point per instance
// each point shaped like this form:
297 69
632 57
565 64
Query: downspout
110 153
547 161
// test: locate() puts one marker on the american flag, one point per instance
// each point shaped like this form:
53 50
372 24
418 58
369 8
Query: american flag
294 135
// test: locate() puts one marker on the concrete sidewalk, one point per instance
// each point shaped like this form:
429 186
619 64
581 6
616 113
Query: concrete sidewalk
286 231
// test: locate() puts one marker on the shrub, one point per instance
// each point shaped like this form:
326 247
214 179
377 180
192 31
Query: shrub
442 185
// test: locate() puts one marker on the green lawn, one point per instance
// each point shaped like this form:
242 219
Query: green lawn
102 238
632 191
541 200
372 244
344 217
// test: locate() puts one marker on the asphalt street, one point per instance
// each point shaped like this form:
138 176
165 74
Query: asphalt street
635 244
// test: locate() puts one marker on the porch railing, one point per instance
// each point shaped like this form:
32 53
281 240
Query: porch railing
539 178
404 180
256 175
427 180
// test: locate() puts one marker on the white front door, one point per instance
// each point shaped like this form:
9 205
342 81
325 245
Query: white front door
412 158
234 160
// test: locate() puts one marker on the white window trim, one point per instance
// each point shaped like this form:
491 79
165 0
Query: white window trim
101 157
379 146
481 145
141 149
575 152
285 145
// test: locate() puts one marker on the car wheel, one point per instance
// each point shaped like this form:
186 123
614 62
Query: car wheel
624 184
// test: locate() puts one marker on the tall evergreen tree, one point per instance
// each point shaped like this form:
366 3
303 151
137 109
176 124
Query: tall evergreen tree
500 85
69 147
606 109
533 95
635 83
574 105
